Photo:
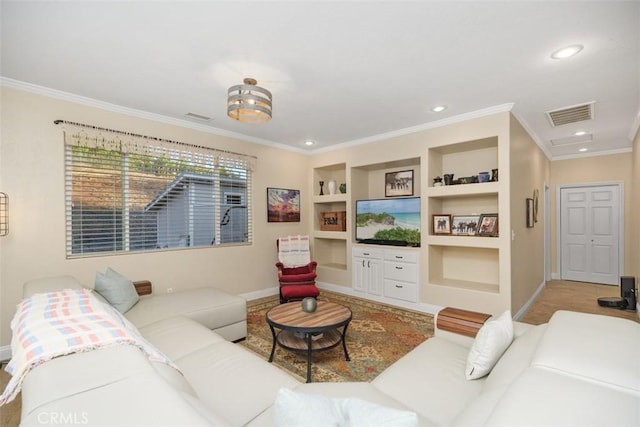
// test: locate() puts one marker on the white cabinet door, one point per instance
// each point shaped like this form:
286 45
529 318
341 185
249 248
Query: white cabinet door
367 275
359 266
374 267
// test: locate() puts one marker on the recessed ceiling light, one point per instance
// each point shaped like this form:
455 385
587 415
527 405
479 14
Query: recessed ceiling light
580 133
309 143
582 150
439 108
567 52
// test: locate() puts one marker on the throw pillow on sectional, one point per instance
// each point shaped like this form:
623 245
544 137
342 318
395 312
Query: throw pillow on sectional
117 289
493 338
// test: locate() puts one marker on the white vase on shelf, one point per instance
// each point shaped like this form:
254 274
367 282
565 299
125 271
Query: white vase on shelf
332 187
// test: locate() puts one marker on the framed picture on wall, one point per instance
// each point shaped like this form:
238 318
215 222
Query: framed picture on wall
283 205
398 183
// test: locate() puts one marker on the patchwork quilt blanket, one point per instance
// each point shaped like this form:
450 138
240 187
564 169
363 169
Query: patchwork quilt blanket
55 324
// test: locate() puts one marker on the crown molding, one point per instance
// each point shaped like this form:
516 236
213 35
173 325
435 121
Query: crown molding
114 108
426 126
635 126
534 136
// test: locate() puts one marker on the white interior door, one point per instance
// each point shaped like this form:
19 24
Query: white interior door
590 233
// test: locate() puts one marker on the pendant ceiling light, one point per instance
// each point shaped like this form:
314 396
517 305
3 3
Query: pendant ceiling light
249 103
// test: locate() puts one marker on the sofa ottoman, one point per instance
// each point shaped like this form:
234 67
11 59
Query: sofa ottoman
219 311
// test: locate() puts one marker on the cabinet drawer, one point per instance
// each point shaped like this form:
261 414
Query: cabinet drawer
401 271
404 256
401 290
367 253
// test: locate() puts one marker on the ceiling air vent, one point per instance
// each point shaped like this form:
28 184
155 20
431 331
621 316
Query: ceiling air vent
198 117
574 114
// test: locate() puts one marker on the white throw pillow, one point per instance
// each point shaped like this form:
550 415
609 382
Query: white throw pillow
294 409
116 289
493 338
298 409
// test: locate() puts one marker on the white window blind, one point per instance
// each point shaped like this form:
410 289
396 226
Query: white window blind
128 193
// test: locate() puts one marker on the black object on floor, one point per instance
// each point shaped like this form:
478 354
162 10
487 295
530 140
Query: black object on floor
613 302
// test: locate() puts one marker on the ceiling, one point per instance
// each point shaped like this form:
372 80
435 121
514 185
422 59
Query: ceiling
340 72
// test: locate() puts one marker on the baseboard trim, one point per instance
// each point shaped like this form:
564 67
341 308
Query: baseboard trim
523 310
5 352
420 306
250 296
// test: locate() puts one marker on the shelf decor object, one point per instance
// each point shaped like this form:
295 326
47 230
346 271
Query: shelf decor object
283 205
488 225
332 187
333 221
465 225
249 103
530 215
441 224
398 184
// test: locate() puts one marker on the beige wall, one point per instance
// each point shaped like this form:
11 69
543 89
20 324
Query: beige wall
32 174
529 171
599 169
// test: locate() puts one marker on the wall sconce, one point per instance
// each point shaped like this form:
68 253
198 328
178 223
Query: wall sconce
4 214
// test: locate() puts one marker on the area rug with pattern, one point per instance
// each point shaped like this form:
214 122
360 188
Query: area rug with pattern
377 336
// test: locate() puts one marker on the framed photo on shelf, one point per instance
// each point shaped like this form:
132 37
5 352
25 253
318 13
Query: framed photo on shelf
464 225
283 205
488 225
441 224
398 183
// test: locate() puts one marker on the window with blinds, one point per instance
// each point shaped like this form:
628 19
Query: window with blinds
145 194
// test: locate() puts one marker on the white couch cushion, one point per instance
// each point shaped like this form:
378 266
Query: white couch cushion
515 359
49 381
232 381
513 362
492 340
602 349
140 400
443 392
544 398
178 336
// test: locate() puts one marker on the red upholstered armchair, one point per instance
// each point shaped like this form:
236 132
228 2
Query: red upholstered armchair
296 282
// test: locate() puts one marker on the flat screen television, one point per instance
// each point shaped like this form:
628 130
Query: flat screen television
388 221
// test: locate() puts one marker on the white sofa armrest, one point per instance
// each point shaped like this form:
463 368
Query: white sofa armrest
50 284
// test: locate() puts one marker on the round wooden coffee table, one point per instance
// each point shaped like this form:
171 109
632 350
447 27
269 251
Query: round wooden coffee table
323 329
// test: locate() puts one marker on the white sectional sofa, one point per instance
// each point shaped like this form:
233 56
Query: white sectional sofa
578 369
